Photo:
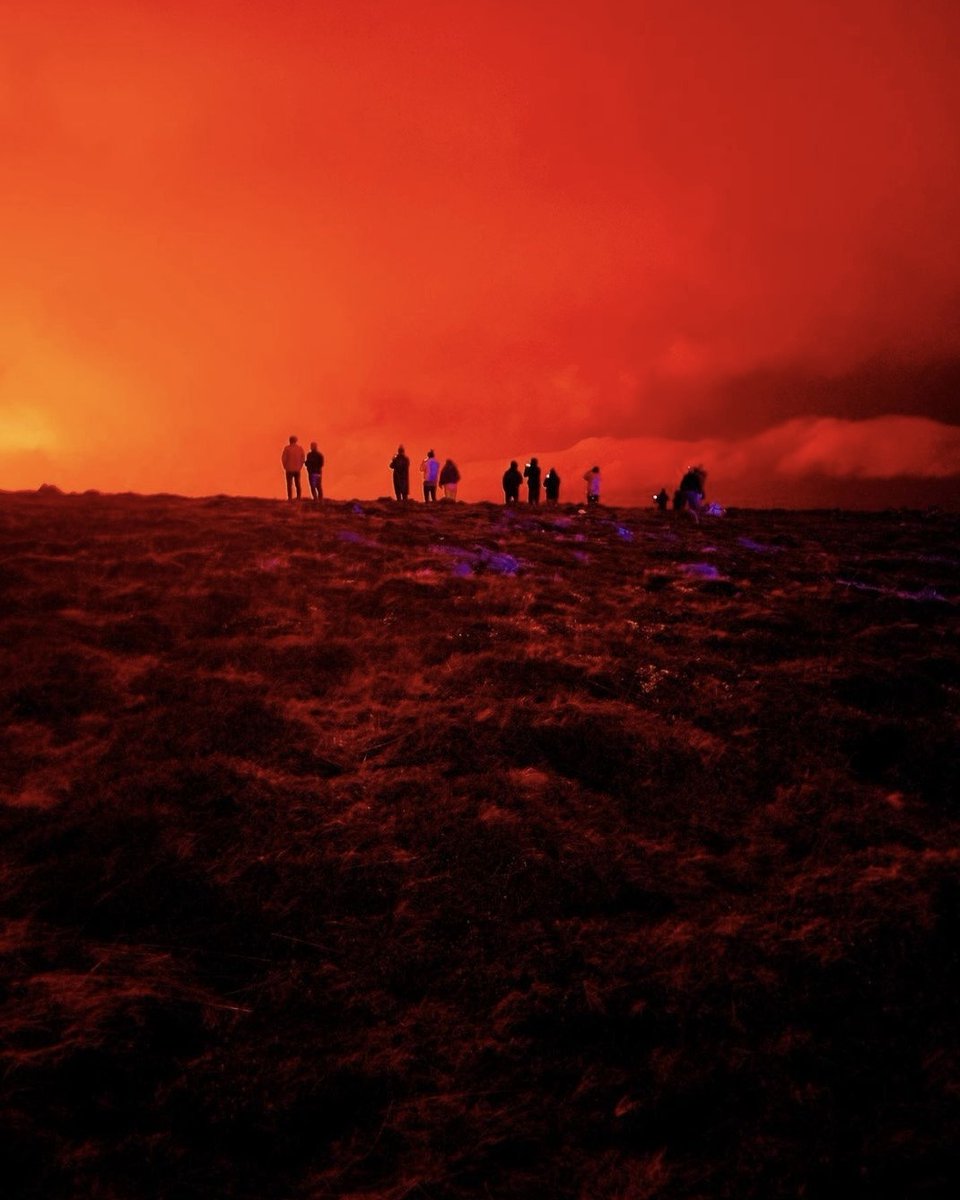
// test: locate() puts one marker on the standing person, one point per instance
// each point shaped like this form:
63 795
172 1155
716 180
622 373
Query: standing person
551 485
430 470
661 499
449 478
400 466
292 459
314 464
511 483
691 491
531 473
592 480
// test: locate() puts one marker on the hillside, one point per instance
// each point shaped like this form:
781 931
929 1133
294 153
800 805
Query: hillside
383 852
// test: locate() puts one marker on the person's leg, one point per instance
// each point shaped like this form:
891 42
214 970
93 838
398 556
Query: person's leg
296 480
289 475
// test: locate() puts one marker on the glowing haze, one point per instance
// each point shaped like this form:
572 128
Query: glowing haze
632 233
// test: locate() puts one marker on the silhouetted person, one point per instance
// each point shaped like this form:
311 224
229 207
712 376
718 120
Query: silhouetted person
449 478
512 480
661 499
551 486
430 470
292 459
691 491
531 473
314 465
592 480
400 466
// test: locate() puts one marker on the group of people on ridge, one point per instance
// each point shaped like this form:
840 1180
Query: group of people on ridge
689 495
294 460
533 474
446 477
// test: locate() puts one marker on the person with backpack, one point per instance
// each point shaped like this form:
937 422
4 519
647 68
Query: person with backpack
691 491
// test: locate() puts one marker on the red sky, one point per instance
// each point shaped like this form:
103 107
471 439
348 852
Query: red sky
633 233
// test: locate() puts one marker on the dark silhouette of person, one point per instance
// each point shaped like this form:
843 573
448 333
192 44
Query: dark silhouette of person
430 469
551 486
512 480
592 479
292 459
661 499
449 478
691 491
400 466
531 473
314 465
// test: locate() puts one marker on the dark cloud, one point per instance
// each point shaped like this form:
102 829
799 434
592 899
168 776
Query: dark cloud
746 403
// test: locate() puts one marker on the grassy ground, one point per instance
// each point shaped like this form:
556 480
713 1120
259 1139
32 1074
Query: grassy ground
389 852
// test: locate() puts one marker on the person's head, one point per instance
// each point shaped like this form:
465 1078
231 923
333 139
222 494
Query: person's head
595 470
513 464
533 462
313 445
429 454
293 438
399 449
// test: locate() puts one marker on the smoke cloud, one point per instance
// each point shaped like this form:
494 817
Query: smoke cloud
490 226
